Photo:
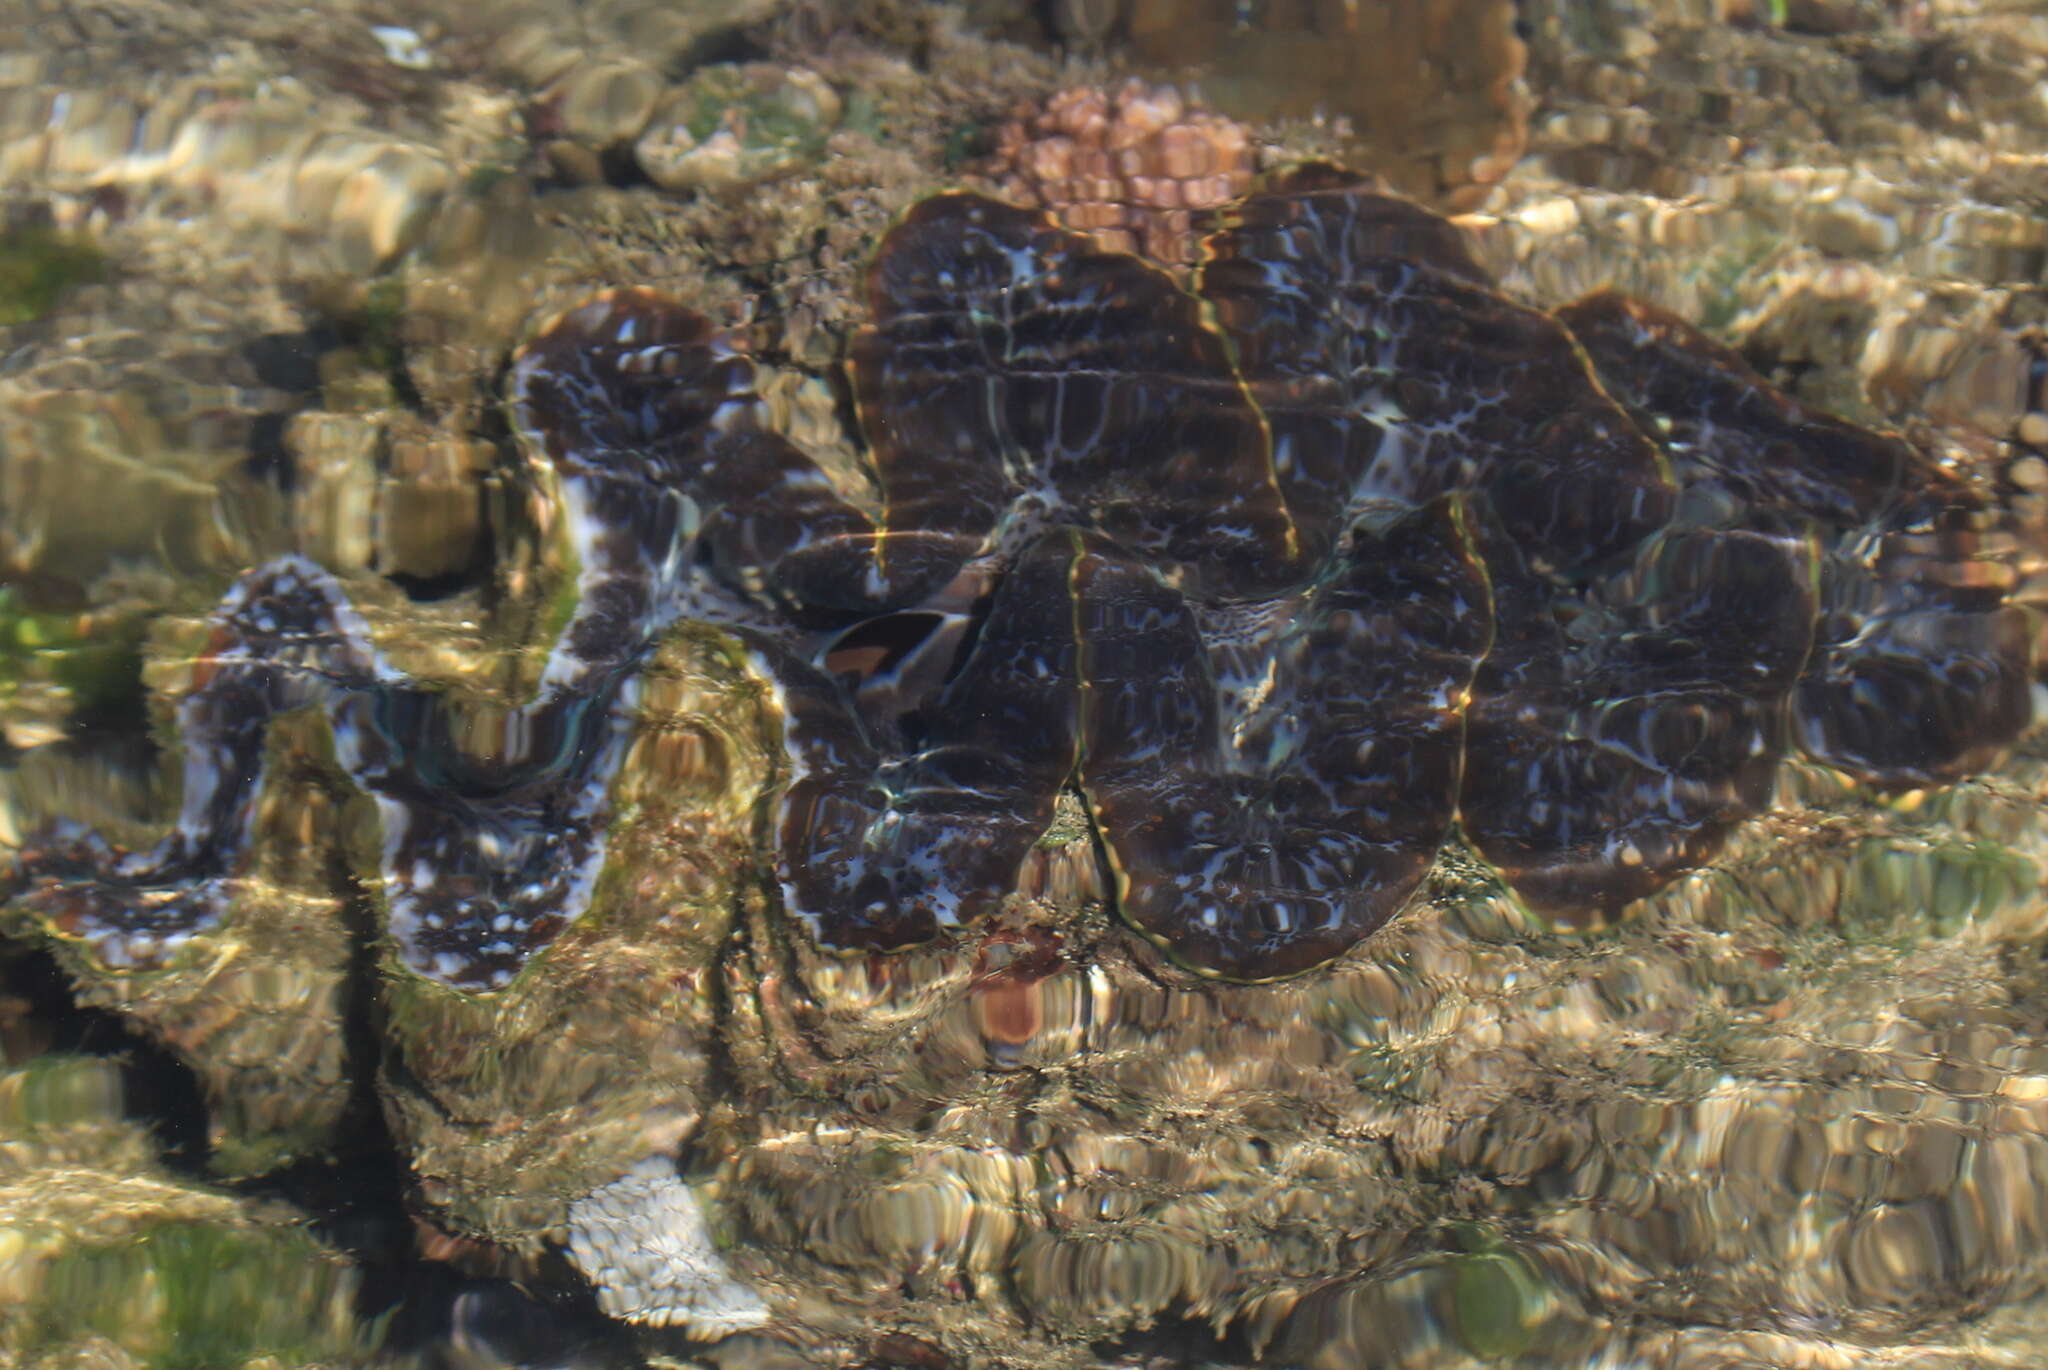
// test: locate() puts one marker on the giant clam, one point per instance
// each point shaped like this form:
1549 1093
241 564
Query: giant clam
1334 570
1285 576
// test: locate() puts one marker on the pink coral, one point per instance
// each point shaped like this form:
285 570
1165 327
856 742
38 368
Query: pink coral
1129 166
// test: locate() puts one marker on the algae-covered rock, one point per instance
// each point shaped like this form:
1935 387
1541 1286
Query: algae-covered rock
733 126
54 666
37 265
105 1254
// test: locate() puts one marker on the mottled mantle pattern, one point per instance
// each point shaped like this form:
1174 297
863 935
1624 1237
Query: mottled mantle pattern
1287 576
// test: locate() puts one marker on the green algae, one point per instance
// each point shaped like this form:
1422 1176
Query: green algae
102 1249
58 1091
194 1296
1899 892
37 265
96 662
1496 1296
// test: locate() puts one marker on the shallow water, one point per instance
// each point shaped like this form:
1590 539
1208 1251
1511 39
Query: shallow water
635 729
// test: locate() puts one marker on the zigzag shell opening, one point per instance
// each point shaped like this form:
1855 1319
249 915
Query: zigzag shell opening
1284 574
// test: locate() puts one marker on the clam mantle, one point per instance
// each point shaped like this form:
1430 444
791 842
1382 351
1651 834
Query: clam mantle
1285 577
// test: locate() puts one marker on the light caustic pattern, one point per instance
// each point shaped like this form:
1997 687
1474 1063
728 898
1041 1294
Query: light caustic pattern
1284 576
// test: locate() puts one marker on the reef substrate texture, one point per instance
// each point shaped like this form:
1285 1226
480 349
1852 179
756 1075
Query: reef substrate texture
1289 576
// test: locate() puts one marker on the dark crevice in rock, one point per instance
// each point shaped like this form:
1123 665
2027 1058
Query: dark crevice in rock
270 460
496 1322
158 1090
622 169
289 362
720 45
1176 1339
